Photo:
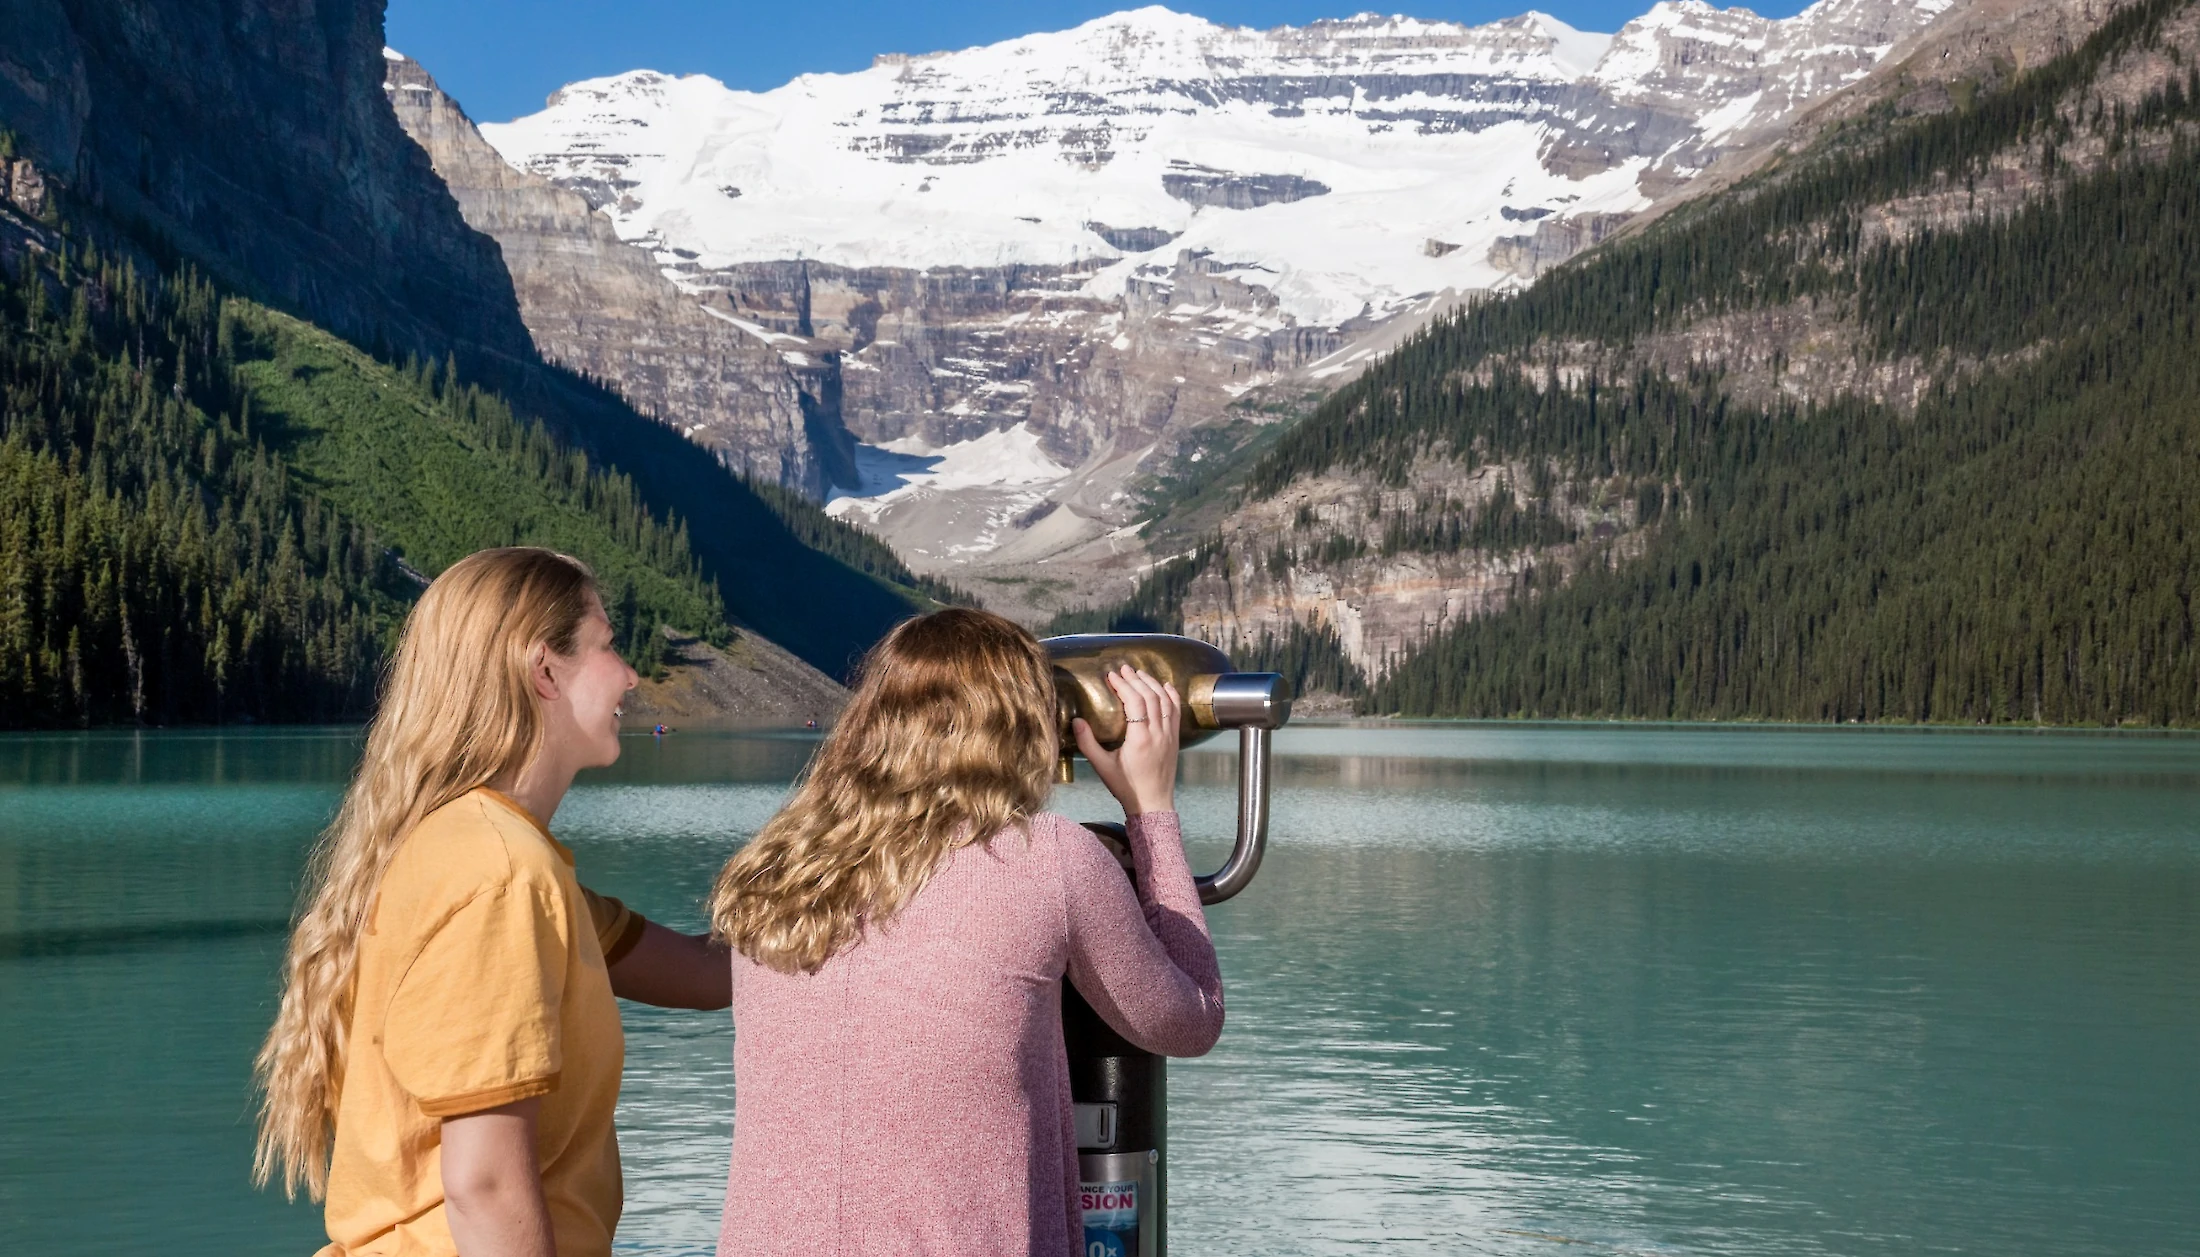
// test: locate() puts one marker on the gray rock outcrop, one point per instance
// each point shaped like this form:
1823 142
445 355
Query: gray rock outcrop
950 354
600 306
1201 185
256 140
1553 241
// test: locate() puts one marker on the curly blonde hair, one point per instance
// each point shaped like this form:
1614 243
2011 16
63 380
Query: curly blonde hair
948 739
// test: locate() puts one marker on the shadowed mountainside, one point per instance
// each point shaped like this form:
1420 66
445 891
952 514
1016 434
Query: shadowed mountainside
258 145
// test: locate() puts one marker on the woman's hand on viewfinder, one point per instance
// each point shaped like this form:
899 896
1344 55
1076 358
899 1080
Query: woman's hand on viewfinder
1141 773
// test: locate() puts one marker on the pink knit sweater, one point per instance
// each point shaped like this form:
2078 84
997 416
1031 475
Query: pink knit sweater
912 1096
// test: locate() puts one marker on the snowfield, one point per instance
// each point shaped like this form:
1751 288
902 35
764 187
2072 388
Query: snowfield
1204 181
994 156
1008 153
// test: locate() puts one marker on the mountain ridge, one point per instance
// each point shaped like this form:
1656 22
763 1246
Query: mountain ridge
596 304
267 157
1132 239
1671 481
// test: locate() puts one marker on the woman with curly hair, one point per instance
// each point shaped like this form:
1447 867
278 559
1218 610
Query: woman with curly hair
902 931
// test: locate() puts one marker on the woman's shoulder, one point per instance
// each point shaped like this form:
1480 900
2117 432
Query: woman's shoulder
477 842
1065 840
1041 836
1051 827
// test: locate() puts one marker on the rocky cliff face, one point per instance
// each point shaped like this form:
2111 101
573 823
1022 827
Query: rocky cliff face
1979 45
600 306
1339 552
1683 53
256 138
946 355
1553 241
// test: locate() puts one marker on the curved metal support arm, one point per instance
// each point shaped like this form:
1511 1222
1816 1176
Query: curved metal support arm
1252 825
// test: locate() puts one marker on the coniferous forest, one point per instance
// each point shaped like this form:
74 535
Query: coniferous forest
155 560
2022 544
212 511
182 540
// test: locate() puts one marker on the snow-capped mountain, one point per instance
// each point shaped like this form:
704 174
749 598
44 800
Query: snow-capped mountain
1356 141
1747 70
1328 154
1107 234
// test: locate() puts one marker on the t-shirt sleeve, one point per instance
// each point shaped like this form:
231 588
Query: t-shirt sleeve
474 1021
618 927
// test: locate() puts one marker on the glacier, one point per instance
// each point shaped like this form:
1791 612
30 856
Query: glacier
1096 241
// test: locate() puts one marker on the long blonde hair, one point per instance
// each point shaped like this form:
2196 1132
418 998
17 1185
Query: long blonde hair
457 712
949 739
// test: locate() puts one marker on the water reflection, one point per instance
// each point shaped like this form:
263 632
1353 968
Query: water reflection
1498 989
1482 1006
196 756
1692 1055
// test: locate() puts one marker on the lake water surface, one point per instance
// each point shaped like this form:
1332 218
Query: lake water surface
1498 989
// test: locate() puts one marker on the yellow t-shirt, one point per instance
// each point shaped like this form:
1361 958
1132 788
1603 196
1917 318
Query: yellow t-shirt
482 980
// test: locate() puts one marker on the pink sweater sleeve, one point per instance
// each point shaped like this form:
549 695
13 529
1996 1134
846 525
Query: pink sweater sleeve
1144 962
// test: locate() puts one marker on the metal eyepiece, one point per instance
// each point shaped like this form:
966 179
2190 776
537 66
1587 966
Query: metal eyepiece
1241 700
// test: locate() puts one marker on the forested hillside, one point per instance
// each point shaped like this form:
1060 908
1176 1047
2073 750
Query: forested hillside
210 510
265 155
2010 535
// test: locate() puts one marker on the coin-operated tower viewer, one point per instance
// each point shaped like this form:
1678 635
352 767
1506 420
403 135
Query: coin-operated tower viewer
1121 1090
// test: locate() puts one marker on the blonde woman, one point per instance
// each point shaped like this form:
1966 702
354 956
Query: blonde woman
903 928
446 1058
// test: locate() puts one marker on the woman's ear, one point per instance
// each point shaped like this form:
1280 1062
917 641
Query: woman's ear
541 674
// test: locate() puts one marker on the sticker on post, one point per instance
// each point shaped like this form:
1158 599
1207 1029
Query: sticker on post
1111 1218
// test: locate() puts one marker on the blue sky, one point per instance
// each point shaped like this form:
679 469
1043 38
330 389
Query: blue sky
501 57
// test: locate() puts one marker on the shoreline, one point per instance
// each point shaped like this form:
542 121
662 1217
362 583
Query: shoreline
722 724
1770 726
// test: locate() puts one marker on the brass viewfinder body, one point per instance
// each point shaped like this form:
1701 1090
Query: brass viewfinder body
1255 704
1082 662
1215 697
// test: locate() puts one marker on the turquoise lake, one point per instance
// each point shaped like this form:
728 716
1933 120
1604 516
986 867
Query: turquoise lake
1498 989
